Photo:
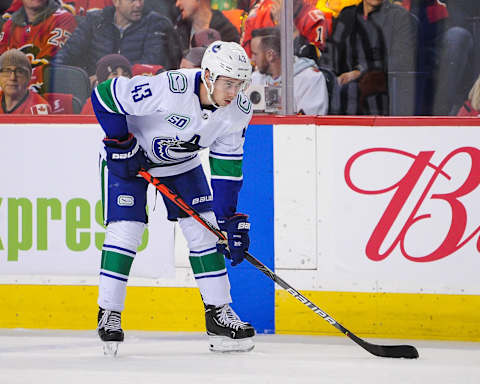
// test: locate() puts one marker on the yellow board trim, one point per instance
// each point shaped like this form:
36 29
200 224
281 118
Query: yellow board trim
387 315
384 315
75 307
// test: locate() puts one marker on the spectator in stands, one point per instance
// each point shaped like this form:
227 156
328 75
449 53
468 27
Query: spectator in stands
16 98
471 107
446 51
163 7
309 86
193 58
39 29
146 38
309 21
196 15
205 37
370 41
459 59
68 5
109 67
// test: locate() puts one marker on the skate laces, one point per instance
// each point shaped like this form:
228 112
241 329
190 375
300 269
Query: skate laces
227 316
110 321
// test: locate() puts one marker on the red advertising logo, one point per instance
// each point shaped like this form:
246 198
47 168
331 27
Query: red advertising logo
455 238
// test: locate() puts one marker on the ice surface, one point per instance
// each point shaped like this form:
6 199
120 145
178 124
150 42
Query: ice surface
76 357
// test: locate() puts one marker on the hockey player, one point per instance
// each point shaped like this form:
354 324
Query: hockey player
161 123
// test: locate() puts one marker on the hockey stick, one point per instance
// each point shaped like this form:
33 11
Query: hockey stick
405 351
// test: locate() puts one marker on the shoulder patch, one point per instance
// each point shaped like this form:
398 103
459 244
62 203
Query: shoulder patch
244 103
177 82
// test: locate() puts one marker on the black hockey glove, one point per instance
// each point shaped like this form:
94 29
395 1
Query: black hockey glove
125 158
237 228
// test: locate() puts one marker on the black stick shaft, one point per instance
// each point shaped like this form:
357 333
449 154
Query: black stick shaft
406 351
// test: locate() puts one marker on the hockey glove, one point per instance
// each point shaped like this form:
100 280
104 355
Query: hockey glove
125 158
237 228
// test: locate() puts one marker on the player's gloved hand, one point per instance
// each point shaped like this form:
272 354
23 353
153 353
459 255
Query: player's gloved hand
237 228
125 158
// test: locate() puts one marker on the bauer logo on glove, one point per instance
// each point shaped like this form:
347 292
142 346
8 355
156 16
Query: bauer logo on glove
125 157
244 225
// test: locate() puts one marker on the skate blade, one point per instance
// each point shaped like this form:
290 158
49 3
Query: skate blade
225 344
110 348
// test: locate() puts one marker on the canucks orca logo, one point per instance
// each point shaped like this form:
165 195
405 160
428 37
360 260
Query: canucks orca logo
216 47
172 150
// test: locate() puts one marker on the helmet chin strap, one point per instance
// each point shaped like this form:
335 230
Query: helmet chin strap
210 91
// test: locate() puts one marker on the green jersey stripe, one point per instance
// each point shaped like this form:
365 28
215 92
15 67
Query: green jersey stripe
103 170
116 262
208 263
105 96
221 167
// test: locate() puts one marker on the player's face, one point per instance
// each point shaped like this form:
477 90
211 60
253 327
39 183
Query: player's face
14 81
131 10
226 90
258 55
187 7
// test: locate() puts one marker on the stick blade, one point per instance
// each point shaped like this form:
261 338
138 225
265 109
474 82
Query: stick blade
393 351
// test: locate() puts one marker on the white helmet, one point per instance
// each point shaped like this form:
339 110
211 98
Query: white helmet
225 59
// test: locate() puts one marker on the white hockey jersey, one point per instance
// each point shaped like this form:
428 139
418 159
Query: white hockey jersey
165 115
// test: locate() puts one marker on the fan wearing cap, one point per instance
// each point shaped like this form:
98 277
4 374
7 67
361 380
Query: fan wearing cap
161 123
204 37
16 98
193 58
109 67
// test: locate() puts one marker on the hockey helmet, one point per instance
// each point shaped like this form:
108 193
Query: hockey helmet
225 59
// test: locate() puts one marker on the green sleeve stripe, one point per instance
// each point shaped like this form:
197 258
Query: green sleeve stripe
105 96
221 167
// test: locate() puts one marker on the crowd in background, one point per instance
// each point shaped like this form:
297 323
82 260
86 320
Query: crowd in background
352 57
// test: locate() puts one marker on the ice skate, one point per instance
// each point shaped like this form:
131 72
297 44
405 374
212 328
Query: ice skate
110 331
227 333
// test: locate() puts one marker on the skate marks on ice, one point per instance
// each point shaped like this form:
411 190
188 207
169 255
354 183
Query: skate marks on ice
76 357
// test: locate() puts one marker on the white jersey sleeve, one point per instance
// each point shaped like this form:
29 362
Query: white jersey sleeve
140 95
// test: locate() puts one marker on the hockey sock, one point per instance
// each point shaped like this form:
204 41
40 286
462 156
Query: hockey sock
121 242
207 264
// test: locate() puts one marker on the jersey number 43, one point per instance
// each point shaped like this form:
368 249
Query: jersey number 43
141 92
